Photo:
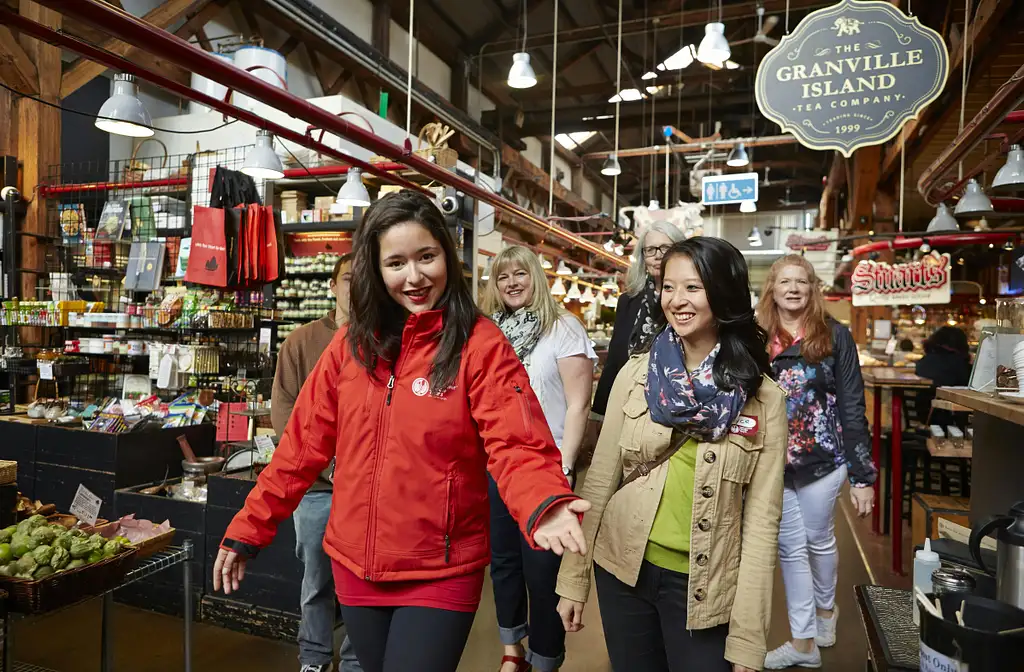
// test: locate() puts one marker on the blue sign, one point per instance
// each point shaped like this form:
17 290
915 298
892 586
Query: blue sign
726 189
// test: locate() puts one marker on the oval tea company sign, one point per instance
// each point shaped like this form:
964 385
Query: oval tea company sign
851 75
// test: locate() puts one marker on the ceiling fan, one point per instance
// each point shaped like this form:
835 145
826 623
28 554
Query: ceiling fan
785 202
764 26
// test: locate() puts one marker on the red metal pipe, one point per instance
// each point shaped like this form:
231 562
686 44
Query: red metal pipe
46 190
91 52
135 31
952 240
335 171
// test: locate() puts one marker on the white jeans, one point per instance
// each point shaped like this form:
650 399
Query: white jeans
807 550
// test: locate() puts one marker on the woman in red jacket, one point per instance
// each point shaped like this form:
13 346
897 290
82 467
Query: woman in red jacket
418 398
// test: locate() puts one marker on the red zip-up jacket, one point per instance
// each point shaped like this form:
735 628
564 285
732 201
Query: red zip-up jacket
410 487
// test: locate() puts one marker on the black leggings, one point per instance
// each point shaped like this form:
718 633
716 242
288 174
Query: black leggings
400 639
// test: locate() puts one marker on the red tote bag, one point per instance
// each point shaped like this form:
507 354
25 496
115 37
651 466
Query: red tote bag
208 258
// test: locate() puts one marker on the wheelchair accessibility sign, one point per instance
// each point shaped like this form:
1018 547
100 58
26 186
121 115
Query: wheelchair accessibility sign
726 189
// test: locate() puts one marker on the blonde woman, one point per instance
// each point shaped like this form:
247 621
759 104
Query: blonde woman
815 360
559 358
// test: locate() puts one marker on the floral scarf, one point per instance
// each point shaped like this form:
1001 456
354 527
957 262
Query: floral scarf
689 402
647 319
522 328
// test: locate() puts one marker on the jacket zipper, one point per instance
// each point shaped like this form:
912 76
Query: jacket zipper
524 409
448 521
381 439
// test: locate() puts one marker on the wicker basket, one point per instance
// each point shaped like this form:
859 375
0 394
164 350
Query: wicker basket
8 471
154 545
68 587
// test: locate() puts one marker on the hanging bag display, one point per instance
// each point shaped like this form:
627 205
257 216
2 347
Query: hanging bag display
208 257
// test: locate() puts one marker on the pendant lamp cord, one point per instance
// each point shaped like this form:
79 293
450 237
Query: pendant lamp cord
963 76
787 17
618 102
554 87
524 26
903 173
408 83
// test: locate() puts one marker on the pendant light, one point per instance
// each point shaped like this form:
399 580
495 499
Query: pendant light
610 285
738 157
123 113
654 205
1011 175
714 48
353 193
588 296
563 269
609 245
943 221
574 291
545 263
611 165
974 201
558 288
521 74
748 206
486 275
262 162
611 302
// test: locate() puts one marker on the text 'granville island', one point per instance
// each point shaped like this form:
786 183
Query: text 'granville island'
849 67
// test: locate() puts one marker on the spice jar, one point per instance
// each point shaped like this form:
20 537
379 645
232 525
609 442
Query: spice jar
947 581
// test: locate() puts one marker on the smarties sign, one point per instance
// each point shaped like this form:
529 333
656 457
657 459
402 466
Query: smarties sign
851 75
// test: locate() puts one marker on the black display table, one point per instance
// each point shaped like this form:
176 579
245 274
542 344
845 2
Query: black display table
892 638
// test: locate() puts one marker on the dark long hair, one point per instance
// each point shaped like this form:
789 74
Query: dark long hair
948 340
743 358
376 320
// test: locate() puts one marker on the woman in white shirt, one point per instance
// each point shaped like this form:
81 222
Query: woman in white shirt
558 356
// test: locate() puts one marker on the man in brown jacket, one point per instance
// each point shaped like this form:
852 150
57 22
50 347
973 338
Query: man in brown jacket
295 361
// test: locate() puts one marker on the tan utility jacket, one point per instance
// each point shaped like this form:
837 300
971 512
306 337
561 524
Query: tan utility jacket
736 511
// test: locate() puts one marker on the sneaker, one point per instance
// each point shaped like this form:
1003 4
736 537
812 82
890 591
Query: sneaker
826 636
787 656
329 667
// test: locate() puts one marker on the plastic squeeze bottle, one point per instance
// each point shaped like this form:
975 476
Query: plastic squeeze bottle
926 561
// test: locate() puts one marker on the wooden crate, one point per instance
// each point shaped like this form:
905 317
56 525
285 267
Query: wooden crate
926 511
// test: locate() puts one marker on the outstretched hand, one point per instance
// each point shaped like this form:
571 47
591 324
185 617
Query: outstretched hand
559 530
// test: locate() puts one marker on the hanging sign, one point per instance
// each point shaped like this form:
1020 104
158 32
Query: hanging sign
876 283
851 75
726 189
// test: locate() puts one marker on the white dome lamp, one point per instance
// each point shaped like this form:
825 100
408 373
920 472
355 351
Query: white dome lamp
521 74
654 205
262 162
563 269
1011 175
943 221
353 193
714 48
558 288
611 166
123 113
974 201
738 157
588 296
755 237
574 292
748 206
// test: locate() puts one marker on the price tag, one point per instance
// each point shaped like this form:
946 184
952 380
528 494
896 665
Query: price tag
45 370
86 506
265 336
265 442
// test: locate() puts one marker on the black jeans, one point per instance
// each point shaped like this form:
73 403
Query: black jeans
524 588
400 639
645 627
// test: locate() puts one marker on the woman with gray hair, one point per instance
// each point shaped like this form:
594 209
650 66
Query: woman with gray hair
638 315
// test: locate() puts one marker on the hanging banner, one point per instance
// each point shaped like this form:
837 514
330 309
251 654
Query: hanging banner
877 283
851 75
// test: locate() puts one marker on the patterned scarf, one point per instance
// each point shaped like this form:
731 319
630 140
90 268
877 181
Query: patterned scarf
689 402
647 320
522 328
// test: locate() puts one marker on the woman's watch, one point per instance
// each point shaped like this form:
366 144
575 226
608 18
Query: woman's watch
570 474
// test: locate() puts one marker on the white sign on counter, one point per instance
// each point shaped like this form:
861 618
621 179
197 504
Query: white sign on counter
86 506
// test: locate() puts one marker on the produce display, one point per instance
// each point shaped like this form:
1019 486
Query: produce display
34 549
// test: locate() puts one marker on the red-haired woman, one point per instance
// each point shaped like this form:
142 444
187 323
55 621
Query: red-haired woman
814 358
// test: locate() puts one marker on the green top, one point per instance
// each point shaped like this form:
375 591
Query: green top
668 546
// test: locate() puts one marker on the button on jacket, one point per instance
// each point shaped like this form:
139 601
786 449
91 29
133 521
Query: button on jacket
736 511
412 504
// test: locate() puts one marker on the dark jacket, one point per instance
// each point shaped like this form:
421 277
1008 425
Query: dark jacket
944 368
828 426
618 349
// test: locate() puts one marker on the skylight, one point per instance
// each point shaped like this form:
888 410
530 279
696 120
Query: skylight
679 60
573 140
626 95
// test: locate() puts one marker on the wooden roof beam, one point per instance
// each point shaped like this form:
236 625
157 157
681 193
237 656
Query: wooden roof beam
16 67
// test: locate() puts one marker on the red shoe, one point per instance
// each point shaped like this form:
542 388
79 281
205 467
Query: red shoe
520 661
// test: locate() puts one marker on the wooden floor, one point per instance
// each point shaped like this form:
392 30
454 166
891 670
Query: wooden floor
146 642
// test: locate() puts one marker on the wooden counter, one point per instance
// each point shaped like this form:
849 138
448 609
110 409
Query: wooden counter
997 470
984 402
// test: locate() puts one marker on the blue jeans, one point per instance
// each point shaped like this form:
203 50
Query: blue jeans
524 590
316 630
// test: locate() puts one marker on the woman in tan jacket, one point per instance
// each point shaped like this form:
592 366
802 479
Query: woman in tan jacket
686 483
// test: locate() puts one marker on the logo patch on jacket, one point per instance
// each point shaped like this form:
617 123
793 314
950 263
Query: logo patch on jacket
745 425
420 387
